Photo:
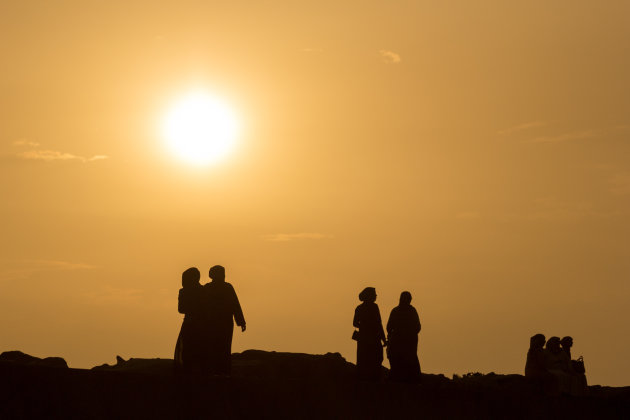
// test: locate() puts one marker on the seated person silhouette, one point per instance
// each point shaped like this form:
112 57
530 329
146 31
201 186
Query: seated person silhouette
535 366
576 367
371 337
403 327
557 364
188 350
220 309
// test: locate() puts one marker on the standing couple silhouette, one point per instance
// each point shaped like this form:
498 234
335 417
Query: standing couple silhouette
204 344
403 327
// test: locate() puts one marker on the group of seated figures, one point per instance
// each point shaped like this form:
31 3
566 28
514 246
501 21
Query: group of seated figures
551 364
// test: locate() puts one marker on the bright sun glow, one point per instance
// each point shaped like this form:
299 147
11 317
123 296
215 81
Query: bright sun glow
200 129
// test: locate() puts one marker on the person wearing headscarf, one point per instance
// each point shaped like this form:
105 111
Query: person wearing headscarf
403 328
566 343
576 367
557 364
371 337
221 309
535 366
189 347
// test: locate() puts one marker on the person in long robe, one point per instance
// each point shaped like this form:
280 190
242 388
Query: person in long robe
371 337
221 308
403 328
189 347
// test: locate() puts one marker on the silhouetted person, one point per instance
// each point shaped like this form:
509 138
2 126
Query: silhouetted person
403 327
371 337
535 366
557 364
576 367
566 343
188 350
221 308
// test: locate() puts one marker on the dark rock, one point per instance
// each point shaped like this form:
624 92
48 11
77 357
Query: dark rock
280 386
262 364
57 362
17 357
150 366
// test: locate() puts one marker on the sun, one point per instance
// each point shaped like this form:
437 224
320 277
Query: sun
200 129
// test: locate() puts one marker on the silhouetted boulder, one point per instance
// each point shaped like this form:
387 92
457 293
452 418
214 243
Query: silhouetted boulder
262 364
254 363
17 357
150 366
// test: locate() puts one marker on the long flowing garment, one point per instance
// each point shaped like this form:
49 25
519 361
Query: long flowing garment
189 349
403 327
179 349
221 309
367 318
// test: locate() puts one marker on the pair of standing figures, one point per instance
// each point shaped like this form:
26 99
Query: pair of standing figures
403 327
204 344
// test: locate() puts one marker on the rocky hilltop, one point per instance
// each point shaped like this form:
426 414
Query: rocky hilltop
277 385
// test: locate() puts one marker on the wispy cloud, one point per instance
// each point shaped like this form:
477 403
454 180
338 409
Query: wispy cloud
557 138
24 269
286 237
390 57
25 143
97 157
36 153
521 127
52 155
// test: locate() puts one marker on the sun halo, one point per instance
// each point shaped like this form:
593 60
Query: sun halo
200 129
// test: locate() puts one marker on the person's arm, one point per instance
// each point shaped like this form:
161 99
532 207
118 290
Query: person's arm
380 325
355 321
237 311
418 325
390 322
181 302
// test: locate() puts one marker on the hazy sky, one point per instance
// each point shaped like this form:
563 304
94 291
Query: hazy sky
474 153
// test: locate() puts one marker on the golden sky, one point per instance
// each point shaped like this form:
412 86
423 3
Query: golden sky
474 153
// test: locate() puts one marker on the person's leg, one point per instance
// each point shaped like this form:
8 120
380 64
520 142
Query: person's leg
414 362
376 360
394 361
226 360
361 361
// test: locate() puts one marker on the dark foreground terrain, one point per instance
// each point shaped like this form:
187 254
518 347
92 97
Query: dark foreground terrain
279 386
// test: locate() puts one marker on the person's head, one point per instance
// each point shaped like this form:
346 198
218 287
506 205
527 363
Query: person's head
217 273
553 345
537 341
566 342
190 277
368 295
405 298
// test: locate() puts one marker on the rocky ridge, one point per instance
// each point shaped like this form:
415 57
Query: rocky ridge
277 385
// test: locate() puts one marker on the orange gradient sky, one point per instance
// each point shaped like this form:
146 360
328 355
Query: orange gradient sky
474 153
